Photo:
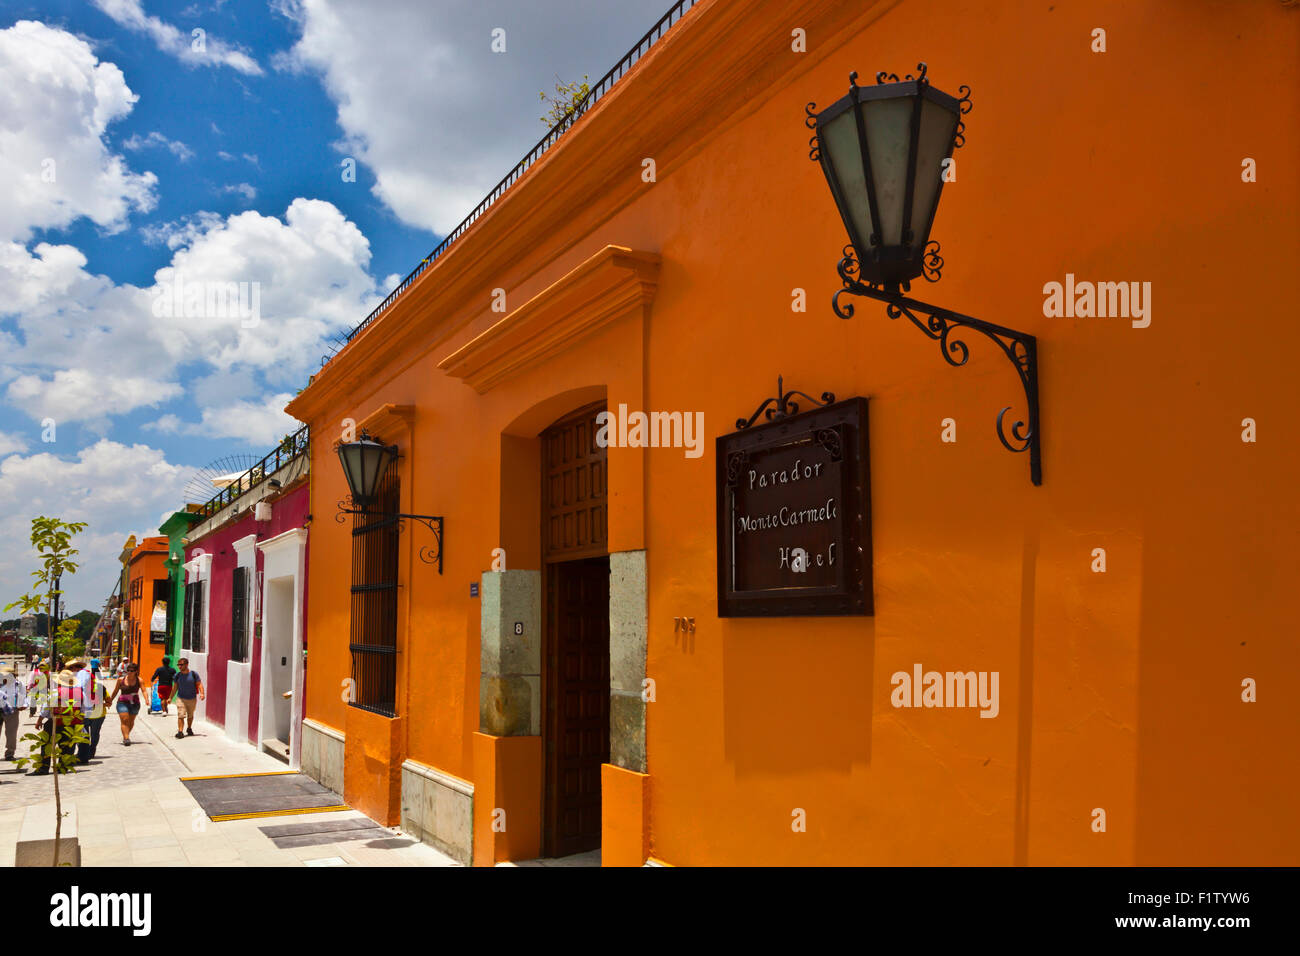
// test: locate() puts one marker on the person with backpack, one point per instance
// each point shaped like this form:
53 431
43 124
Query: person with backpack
163 679
62 694
92 690
189 686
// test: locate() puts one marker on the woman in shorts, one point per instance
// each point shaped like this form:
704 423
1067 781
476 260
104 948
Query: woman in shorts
127 692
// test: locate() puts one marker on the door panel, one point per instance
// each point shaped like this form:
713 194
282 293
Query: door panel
577 702
574 488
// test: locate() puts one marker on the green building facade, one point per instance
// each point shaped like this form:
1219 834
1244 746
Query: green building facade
175 528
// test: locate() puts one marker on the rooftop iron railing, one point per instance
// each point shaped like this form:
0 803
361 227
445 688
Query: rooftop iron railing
601 87
290 448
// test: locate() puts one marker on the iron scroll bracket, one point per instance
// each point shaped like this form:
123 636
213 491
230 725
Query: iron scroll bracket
783 405
1020 347
429 555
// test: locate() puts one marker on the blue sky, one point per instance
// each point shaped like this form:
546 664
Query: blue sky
133 155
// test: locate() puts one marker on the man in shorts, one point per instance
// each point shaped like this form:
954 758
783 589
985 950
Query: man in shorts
189 691
162 682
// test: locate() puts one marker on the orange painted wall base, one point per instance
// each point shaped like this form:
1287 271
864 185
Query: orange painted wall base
507 776
372 766
624 816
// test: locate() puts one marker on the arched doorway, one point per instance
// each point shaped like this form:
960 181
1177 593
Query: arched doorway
575 659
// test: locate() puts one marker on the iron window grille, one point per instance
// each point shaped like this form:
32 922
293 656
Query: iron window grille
192 636
373 637
239 617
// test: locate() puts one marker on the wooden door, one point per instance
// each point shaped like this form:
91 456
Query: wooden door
576 660
577 740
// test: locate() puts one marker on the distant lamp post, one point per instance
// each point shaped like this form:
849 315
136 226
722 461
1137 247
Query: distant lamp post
884 150
364 463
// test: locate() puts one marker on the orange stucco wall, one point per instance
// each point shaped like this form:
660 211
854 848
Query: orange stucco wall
507 798
1118 690
147 564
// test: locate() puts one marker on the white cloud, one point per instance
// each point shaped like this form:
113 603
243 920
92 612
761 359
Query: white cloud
244 189
93 349
157 139
477 110
79 394
184 46
257 422
11 443
180 232
119 489
168 424
57 100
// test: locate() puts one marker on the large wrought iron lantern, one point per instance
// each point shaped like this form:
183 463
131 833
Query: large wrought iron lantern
364 462
883 150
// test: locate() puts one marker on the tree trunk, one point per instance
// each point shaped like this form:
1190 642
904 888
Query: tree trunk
55 763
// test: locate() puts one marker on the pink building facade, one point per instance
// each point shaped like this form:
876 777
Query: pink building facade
245 595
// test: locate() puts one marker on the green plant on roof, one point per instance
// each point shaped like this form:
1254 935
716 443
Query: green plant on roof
564 103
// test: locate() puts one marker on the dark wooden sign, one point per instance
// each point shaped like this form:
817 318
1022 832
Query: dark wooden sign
794 515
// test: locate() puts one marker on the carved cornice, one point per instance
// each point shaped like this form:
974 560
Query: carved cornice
614 283
389 422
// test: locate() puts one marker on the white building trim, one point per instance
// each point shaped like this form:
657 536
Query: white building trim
283 557
239 674
198 573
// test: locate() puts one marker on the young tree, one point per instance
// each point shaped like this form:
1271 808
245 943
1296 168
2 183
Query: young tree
568 97
68 639
52 540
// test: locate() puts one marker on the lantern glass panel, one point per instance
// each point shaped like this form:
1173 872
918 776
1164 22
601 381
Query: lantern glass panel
889 135
350 459
839 141
938 127
376 458
363 463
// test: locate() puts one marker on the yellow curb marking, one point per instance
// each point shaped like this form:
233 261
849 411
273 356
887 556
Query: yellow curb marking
223 817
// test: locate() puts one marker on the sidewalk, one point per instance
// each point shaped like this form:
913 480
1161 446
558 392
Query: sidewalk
133 810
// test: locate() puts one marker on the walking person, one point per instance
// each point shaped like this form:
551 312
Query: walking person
83 681
127 693
35 688
63 693
92 694
13 698
188 686
163 679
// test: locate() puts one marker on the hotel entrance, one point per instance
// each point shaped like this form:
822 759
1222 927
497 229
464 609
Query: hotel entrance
575 660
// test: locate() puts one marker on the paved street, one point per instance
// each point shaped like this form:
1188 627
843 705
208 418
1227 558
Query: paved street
132 808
